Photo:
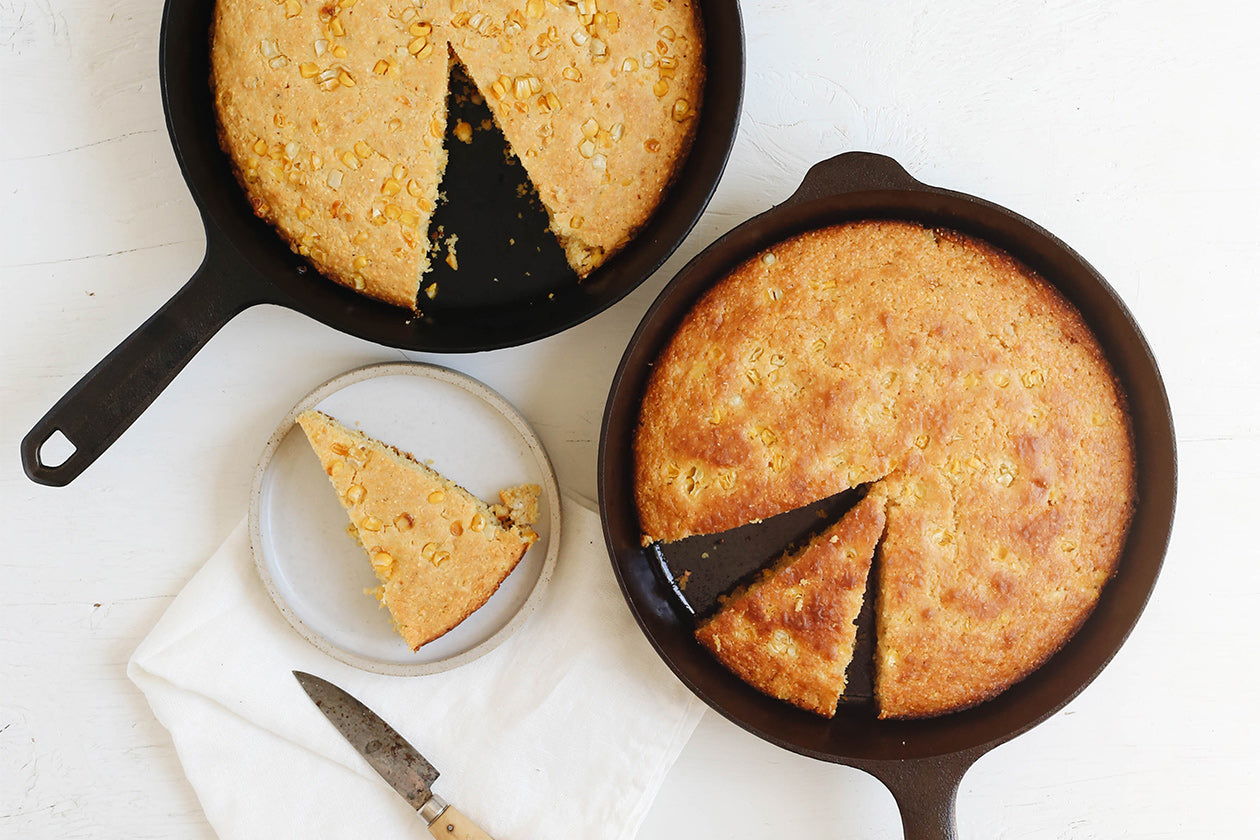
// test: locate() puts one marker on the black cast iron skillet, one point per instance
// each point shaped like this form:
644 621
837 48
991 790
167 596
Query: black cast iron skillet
512 285
920 761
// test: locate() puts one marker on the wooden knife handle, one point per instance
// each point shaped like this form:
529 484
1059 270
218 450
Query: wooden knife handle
454 825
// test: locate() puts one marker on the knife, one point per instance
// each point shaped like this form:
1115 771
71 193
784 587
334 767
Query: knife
398 762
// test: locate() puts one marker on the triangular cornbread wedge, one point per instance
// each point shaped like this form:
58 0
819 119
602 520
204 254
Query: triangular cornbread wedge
791 633
599 105
439 551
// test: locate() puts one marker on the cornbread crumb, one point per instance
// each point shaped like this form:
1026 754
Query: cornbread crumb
521 503
451 259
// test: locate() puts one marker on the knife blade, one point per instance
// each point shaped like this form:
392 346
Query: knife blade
398 762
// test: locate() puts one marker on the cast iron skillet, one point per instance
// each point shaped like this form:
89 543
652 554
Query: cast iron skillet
501 296
920 761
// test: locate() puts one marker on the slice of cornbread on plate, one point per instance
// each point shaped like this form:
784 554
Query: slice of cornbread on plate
791 633
438 550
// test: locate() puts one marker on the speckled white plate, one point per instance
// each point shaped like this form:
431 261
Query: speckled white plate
317 574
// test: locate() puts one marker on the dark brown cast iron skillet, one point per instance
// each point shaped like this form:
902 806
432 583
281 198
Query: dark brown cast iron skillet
512 286
922 761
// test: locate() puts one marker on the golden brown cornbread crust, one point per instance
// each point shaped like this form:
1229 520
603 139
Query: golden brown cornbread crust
439 551
334 116
942 368
791 633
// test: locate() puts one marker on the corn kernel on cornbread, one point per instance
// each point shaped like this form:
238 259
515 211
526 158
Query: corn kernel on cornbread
945 372
334 116
439 551
790 633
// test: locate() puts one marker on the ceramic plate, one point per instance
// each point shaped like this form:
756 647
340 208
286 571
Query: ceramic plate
317 574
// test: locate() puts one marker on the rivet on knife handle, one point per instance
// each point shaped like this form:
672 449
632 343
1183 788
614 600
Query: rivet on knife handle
453 824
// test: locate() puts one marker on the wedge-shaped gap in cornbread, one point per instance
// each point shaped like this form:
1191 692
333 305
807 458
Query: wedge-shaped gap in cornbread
700 570
478 252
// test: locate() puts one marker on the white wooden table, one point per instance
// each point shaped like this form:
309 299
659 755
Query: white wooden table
1126 127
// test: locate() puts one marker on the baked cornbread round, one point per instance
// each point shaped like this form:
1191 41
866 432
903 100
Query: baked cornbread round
943 370
334 116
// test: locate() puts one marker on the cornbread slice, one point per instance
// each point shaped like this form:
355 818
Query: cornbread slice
884 351
439 551
334 117
790 634
598 105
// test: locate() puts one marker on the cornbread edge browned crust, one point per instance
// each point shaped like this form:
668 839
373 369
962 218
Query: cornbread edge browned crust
439 551
790 634
934 364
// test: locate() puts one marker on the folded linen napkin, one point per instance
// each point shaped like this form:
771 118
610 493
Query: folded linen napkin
565 730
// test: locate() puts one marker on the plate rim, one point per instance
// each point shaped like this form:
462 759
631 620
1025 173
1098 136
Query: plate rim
487 395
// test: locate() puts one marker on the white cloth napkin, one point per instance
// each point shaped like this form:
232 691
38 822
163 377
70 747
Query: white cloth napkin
566 730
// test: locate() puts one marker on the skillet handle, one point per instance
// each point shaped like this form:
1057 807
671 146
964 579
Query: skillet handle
853 172
113 394
926 791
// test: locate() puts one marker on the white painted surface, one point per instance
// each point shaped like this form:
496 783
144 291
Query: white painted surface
1127 128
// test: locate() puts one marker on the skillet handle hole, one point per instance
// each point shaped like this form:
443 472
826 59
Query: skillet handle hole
55 450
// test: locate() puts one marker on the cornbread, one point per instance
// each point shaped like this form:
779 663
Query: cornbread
953 379
334 116
439 551
335 126
597 100
791 633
